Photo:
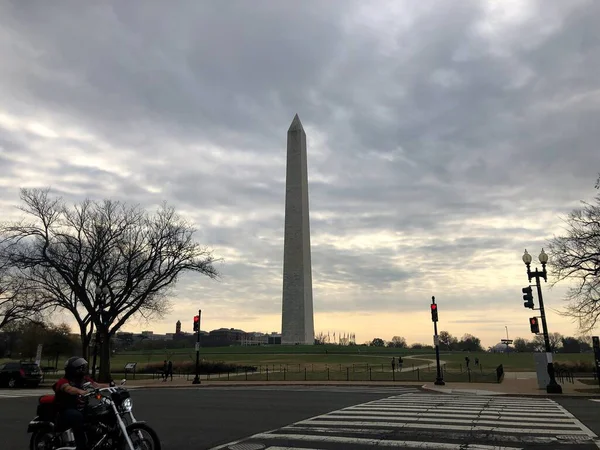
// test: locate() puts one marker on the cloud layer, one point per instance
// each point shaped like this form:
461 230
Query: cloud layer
443 139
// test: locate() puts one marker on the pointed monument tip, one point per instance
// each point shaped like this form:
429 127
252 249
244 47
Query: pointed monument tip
296 124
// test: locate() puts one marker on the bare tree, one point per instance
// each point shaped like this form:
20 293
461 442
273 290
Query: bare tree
398 342
555 342
448 340
17 301
576 256
104 262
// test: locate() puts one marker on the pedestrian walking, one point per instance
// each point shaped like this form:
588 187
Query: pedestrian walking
393 364
164 371
169 370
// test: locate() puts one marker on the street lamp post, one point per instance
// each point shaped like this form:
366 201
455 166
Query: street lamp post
553 387
100 293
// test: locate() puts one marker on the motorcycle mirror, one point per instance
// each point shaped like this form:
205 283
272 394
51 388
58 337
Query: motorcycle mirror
123 381
87 385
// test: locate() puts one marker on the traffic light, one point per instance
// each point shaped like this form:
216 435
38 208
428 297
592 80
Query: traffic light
434 312
196 323
535 326
528 297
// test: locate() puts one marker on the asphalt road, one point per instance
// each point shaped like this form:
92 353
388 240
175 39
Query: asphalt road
320 418
200 418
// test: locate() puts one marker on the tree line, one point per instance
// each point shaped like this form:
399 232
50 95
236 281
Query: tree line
467 342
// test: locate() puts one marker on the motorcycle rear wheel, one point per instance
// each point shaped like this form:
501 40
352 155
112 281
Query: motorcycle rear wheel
131 431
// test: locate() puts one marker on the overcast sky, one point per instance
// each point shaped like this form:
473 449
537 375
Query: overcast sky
443 139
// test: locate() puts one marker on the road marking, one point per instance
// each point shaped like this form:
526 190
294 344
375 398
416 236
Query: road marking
441 421
379 442
24 393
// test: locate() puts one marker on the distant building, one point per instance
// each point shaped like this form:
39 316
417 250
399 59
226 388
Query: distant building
178 327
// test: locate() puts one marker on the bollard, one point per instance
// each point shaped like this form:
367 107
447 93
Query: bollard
284 374
418 375
469 372
267 373
328 374
347 373
393 375
305 374
228 375
246 374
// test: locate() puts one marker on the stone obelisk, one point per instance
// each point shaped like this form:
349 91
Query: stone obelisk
297 322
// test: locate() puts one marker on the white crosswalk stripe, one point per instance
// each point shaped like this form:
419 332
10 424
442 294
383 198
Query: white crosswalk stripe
16 393
434 421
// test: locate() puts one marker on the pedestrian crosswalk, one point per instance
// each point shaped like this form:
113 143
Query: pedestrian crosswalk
433 421
17 393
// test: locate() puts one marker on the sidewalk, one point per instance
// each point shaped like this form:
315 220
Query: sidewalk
513 384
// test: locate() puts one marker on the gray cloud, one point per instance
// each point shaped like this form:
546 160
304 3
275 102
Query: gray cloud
454 131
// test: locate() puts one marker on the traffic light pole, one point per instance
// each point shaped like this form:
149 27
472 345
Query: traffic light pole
197 377
553 387
439 380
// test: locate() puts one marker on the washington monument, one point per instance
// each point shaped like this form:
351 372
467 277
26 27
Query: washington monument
297 323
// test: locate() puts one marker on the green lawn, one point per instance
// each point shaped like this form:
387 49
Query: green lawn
331 356
514 362
320 361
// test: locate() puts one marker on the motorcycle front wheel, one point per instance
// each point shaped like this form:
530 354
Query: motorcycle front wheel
142 436
42 440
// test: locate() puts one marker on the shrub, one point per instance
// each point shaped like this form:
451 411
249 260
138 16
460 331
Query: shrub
190 367
575 366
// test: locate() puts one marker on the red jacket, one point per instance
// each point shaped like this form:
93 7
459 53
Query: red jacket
64 400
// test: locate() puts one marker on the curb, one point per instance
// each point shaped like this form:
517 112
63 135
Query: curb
511 394
271 384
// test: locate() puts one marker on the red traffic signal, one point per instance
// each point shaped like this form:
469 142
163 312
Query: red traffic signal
434 312
196 323
534 325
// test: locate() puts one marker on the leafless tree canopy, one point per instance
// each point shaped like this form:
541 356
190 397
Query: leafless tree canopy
576 256
17 302
69 251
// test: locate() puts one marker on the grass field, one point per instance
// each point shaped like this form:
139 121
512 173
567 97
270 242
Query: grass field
513 362
322 357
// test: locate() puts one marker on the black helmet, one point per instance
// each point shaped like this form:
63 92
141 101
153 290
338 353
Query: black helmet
76 366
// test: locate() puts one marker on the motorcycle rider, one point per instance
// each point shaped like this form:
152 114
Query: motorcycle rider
68 391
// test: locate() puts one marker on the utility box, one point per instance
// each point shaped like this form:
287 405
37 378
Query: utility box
541 369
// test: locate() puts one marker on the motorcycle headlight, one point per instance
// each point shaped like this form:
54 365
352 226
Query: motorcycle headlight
126 405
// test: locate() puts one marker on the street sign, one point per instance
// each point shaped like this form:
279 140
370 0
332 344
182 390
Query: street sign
197 347
38 355
506 341
436 340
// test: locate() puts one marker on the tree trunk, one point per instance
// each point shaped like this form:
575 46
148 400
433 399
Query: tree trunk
85 341
104 353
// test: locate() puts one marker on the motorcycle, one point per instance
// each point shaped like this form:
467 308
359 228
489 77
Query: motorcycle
109 423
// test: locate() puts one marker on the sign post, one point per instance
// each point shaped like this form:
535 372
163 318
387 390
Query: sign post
38 355
507 342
